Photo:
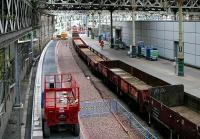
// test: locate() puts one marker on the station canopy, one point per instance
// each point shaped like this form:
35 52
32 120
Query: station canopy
140 5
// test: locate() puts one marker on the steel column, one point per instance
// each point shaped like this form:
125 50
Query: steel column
87 20
17 105
133 53
92 30
111 30
32 55
180 60
99 25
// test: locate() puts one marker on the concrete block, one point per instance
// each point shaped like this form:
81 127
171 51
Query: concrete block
144 25
154 33
176 36
198 61
197 27
189 37
189 27
169 35
189 48
160 34
160 25
169 54
153 41
138 25
144 33
161 51
154 25
176 27
160 43
197 49
169 45
169 26
189 59
197 38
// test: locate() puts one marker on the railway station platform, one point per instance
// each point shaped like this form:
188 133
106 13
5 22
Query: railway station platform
163 69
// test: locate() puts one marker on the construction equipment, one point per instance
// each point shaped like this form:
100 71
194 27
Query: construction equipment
61 103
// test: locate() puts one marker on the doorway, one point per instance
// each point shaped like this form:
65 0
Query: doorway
176 43
118 34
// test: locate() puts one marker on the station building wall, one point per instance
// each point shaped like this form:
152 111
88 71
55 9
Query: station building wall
126 28
162 35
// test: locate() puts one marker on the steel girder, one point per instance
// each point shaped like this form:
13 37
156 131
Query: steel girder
116 4
15 15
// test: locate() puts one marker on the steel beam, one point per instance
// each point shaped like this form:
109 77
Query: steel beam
117 4
15 16
10 37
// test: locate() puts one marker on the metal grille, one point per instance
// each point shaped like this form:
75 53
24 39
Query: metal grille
109 107
15 15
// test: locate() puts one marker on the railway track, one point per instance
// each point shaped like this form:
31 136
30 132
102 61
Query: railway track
106 93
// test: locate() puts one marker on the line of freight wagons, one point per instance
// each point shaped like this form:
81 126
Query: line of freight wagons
155 98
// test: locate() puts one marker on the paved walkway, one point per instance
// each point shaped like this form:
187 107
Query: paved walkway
162 69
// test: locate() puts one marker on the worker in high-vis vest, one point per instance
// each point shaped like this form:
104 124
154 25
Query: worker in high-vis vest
101 44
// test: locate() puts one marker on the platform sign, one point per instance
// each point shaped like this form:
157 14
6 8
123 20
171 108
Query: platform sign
180 52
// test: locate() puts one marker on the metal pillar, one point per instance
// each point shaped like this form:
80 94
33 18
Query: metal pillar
31 53
180 60
133 52
70 23
87 20
99 26
111 30
92 30
48 27
18 104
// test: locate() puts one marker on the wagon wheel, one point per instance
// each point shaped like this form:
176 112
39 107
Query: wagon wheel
76 129
46 130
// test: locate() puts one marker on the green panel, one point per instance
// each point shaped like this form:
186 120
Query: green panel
180 67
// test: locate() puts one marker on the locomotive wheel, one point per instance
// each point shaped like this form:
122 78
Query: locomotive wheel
46 130
76 129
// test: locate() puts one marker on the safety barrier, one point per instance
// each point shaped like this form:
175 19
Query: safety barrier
113 107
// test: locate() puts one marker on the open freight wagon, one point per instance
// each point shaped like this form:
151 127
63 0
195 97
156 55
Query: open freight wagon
155 97
89 55
61 103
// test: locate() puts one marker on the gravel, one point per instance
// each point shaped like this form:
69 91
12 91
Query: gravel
103 128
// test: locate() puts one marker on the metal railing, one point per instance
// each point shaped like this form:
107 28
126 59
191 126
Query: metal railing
113 107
